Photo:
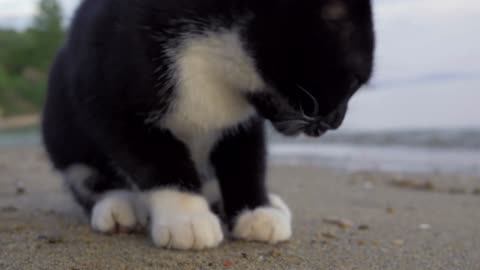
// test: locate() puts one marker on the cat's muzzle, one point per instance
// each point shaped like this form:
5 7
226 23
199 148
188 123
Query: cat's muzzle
296 123
292 121
311 127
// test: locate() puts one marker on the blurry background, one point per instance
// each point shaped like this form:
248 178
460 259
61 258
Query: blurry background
420 112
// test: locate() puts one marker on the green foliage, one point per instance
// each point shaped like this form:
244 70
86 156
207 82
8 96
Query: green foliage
25 58
46 32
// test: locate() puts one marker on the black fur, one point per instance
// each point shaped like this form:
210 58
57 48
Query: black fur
110 78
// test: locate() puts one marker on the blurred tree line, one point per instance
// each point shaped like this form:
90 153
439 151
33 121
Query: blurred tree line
25 57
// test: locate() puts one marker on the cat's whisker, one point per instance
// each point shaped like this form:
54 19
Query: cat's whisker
316 106
292 122
304 115
291 126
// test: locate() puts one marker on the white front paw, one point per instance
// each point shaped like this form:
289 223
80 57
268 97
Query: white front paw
183 221
114 213
271 224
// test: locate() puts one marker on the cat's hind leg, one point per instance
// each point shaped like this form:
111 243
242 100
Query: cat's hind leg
112 208
119 212
87 170
166 189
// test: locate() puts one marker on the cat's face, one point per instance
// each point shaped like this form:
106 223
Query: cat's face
315 56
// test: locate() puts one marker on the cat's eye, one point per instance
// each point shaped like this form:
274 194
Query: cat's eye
334 12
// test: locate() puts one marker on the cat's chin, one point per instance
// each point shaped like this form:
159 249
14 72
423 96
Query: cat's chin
287 119
315 133
293 131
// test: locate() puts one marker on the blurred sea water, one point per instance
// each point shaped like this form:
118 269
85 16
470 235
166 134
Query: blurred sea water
21 137
434 151
399 158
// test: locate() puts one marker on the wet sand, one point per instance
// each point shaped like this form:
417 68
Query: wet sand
400 222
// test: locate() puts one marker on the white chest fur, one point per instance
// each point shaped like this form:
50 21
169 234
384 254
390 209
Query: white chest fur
212 73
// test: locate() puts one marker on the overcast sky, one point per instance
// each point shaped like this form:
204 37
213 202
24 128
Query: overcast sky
418 40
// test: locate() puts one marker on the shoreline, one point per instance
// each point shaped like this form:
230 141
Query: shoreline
22 121
383 158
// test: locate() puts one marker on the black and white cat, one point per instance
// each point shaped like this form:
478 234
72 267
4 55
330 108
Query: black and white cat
149 99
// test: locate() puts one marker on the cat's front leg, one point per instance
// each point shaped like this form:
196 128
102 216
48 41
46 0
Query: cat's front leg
182 220
159 166
240 164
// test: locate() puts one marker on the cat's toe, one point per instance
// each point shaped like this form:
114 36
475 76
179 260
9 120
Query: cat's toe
188 232
183 221
270 224
114 214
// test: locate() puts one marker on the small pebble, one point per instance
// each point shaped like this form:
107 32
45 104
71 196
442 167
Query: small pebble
329 235
51 237
275 253
363 227
425 226
399 242
19 227
403 183
457 190
361 243
20 188
476 191
51 212
244 255
340 222
9 209
427 186
414 185
368 185
228 263
390 210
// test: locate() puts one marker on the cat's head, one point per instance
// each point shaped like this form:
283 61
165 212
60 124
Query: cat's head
314 54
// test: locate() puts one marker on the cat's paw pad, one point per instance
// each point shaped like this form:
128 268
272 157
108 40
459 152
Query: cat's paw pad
114 213
270 224
183 221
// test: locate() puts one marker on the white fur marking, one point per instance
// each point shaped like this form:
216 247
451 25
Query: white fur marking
75 176
118 210
271 224
182 221
214 71
78 173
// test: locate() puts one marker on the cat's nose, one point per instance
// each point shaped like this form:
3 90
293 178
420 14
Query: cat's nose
355 82
335 119
359 67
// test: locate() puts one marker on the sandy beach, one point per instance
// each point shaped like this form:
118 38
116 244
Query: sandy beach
385 221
